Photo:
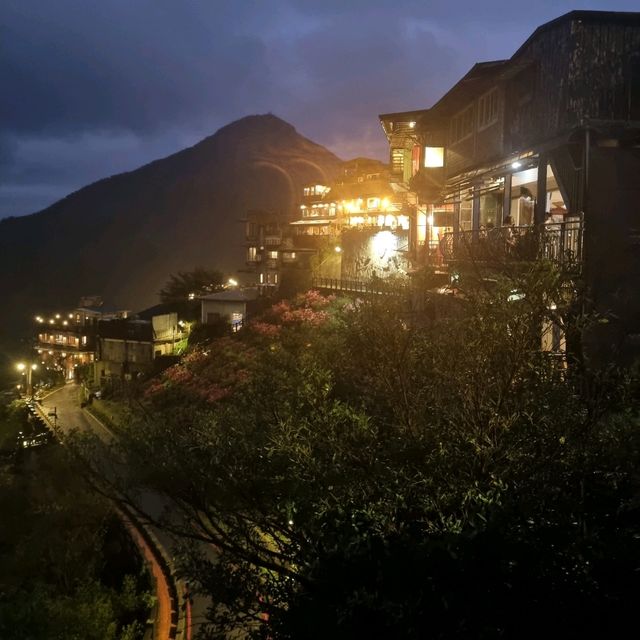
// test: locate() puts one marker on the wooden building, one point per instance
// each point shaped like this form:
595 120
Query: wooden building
546 146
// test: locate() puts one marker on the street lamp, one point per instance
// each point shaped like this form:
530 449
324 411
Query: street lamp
27 369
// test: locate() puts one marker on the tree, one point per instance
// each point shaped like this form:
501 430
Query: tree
374 471
187 285
68 568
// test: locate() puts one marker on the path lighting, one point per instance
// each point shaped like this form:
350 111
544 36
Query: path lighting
27 369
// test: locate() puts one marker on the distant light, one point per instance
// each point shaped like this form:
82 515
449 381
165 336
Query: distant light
412 125
21 366
57 316
516 165
232 282
291 523
338 249
192 296
430 219
51 321
65 323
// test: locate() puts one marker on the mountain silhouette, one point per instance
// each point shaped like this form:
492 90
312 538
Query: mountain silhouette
122 236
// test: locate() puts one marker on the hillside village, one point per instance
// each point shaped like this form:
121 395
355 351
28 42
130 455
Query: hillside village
525 159
405 405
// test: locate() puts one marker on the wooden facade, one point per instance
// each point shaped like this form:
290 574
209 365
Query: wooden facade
551 135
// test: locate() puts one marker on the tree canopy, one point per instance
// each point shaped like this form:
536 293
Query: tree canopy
187 285
399 467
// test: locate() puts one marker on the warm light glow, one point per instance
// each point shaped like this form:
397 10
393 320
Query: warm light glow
430 219
433 157
21 366
51 321
65 323
192 296
516 165
412 125
57 316
383 243
232 282
338 249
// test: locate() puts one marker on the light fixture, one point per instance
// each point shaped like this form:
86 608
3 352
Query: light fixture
338 249
232 282
516 165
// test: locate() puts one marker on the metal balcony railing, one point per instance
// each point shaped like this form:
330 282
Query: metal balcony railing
350 286
561 243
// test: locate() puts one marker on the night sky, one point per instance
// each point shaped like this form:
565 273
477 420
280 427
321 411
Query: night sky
91 88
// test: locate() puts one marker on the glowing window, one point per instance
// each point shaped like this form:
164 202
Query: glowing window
273 255
433 157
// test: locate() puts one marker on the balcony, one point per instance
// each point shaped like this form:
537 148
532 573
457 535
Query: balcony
560 243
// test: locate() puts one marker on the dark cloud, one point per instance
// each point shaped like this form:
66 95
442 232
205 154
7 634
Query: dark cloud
93 88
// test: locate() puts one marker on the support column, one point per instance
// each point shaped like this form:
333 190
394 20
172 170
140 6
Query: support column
506 200
541 188
475 212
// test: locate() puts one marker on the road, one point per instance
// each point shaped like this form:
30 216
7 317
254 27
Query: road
69 416
66 404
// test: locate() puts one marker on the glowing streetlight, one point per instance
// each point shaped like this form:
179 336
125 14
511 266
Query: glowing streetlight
338 249
232 282
27 369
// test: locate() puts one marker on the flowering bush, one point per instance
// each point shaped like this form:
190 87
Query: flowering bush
208 373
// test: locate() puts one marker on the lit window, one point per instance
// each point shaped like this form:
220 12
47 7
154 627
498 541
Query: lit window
84 339
252 253
262 278
397 160
433 157
373 203
273 255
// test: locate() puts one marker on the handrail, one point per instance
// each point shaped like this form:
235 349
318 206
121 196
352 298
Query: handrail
559 242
